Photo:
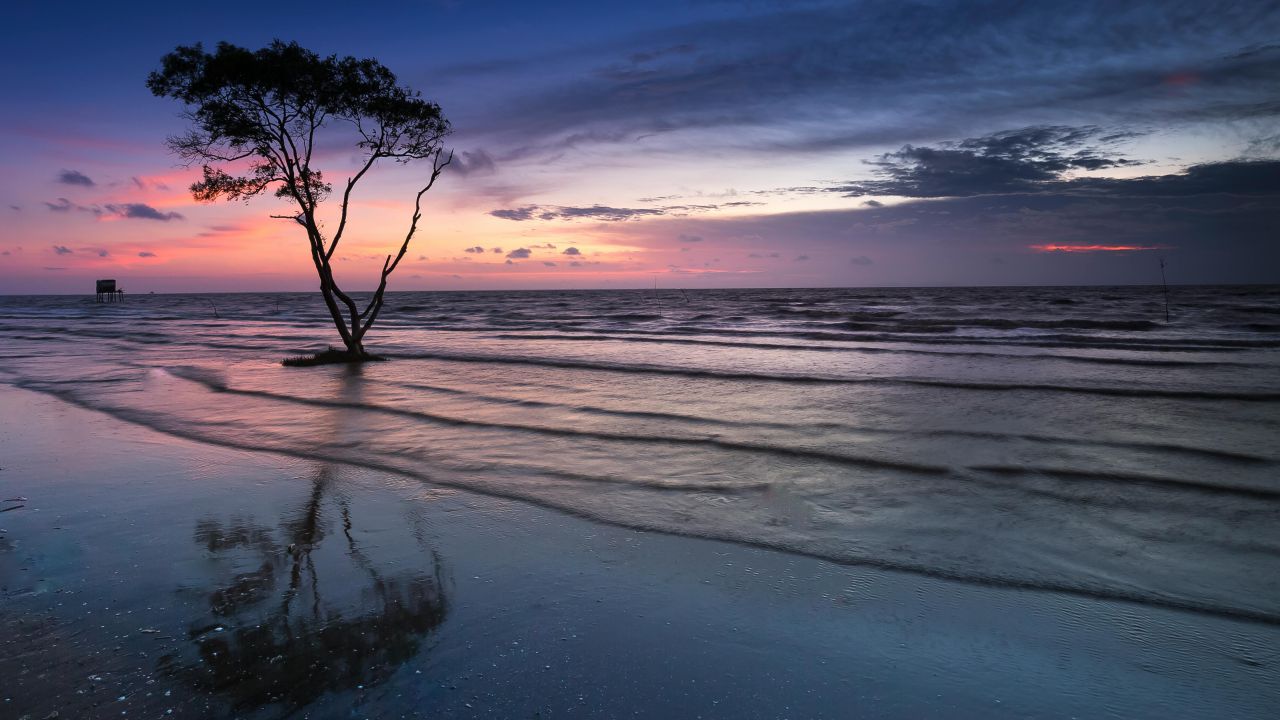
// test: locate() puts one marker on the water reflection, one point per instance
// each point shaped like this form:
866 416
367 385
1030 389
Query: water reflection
301 609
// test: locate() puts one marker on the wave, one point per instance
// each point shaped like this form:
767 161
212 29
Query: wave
762 449
1143 362
720 422
1091 342
847 557
1258 493
834 380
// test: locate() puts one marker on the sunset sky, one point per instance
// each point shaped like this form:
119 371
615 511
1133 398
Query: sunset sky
691 144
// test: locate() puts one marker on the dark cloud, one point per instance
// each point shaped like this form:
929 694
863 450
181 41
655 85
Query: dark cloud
1013 161
873 203
1042 160
103 253
598 212
61 205
607 213
476 249
146 254
141 211
1215 223
928 68
800 258
548 263
137 211
519 253
74 177
575 263
472 162
496 250
62 250
571 251
689 238
517 214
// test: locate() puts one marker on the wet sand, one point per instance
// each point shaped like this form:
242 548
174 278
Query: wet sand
146 575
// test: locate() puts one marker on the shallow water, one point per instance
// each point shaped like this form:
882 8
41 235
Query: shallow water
1064 439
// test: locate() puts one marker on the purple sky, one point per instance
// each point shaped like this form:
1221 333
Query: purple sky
703 144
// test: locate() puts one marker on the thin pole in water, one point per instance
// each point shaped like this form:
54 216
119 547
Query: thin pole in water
1165 285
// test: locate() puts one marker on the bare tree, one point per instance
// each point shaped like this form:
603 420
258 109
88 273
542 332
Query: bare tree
257 117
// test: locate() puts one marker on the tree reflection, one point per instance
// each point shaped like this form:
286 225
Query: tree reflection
275 635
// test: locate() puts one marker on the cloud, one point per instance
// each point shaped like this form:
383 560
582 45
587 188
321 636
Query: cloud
146 254
1095 248
1042 161
496 250
472 162
75 177
135 211
62 250
571 251
62 205
103 253
519 254
548 263
1012 161
575 263
1214 222
141 211
689 238
517 214
800 258
605 212
766 70
476 249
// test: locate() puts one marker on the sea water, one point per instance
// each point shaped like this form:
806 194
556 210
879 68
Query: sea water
1062 439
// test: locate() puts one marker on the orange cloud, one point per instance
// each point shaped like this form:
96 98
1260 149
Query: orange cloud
1094 248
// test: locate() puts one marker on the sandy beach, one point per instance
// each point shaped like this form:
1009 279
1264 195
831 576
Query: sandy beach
144 575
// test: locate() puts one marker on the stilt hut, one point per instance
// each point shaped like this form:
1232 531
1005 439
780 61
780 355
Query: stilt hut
108 292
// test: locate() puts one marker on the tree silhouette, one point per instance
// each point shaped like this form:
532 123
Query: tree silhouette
257 117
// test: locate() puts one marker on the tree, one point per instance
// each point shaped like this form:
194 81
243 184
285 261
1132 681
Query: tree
257 117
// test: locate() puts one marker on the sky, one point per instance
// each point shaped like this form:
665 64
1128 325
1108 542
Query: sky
683 144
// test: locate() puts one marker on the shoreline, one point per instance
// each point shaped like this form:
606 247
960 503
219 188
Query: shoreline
480 606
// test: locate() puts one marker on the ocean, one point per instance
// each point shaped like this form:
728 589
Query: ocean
1058 439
